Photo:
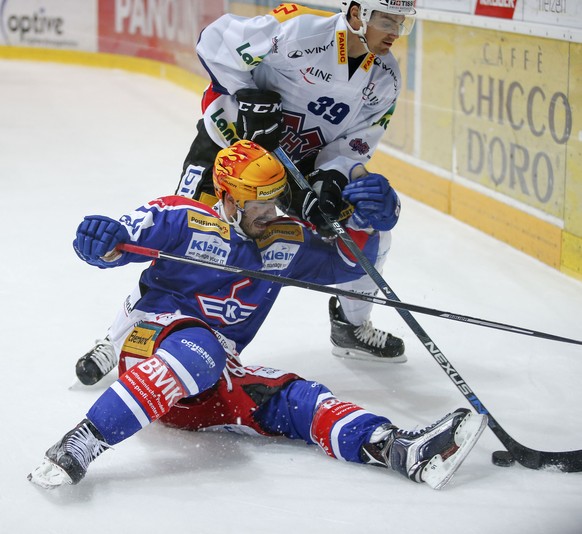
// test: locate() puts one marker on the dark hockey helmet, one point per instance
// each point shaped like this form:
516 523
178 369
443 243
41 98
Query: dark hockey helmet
247 171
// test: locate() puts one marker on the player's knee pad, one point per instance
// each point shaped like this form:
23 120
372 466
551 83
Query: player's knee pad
186 363
196 356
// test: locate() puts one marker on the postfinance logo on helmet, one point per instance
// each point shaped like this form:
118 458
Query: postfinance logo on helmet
248 172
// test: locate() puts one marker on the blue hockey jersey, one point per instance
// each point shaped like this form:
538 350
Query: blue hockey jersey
231 303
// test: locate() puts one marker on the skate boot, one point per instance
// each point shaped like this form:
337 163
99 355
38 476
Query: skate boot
362 342
99 361
66 462
431 455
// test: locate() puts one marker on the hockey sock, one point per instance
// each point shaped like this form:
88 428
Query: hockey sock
342 428
186 363
289 413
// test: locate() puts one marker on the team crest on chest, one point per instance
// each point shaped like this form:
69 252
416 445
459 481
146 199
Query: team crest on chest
229 310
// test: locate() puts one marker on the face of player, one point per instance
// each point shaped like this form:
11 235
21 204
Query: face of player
381 32
256 216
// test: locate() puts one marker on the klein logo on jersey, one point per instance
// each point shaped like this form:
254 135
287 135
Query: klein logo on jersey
359 146
208 223
208 248
229 310
342 47
278 256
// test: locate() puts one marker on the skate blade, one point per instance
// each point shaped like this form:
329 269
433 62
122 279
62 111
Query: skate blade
438 472
49 475
354 354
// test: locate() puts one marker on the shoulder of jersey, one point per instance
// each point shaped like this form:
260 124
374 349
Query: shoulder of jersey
178 202
289 11
283 229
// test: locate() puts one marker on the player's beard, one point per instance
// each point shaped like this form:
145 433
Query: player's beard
254 228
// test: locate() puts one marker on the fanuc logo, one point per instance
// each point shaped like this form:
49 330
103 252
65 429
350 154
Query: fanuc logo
29 27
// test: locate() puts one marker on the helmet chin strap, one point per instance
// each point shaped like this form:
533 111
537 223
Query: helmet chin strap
233 221
361 33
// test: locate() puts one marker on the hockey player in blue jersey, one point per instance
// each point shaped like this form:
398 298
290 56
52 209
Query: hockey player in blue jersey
323 86
180 332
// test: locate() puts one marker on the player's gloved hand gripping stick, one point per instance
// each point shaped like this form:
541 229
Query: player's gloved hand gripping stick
568 461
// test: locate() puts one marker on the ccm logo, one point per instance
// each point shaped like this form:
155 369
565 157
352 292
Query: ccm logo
260 108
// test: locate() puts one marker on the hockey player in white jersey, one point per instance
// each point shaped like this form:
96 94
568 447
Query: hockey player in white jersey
323 87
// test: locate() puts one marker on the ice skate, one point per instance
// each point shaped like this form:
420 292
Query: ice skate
96 363
66 462
431 455
362 342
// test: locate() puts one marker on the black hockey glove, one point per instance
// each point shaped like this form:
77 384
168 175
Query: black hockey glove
260 117
326 197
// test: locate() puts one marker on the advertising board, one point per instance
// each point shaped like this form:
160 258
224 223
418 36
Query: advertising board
63 24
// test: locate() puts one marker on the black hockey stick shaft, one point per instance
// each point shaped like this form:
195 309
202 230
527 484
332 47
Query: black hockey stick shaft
152 253
567 461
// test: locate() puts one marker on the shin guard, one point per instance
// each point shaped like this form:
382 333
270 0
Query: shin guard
186 362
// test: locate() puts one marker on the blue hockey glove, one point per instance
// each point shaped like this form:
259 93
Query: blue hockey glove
326 196
376 204
96 237
260 117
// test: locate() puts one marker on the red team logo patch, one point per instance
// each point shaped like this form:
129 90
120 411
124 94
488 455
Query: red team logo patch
502 9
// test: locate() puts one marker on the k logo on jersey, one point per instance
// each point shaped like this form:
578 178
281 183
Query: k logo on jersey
229 310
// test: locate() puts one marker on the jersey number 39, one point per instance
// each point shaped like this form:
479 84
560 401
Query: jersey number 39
329 109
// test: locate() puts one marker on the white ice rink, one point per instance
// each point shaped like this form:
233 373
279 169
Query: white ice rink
77 141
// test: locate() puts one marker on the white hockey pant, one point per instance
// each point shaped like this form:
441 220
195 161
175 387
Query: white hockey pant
358 311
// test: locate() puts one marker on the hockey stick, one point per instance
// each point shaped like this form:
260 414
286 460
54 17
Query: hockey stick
158 254
567 461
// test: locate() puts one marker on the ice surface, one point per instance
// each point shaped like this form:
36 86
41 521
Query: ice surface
77 141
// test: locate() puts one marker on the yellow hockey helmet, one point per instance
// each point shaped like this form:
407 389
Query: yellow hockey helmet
247 171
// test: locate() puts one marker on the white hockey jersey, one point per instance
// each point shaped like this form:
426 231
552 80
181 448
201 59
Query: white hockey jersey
302 54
